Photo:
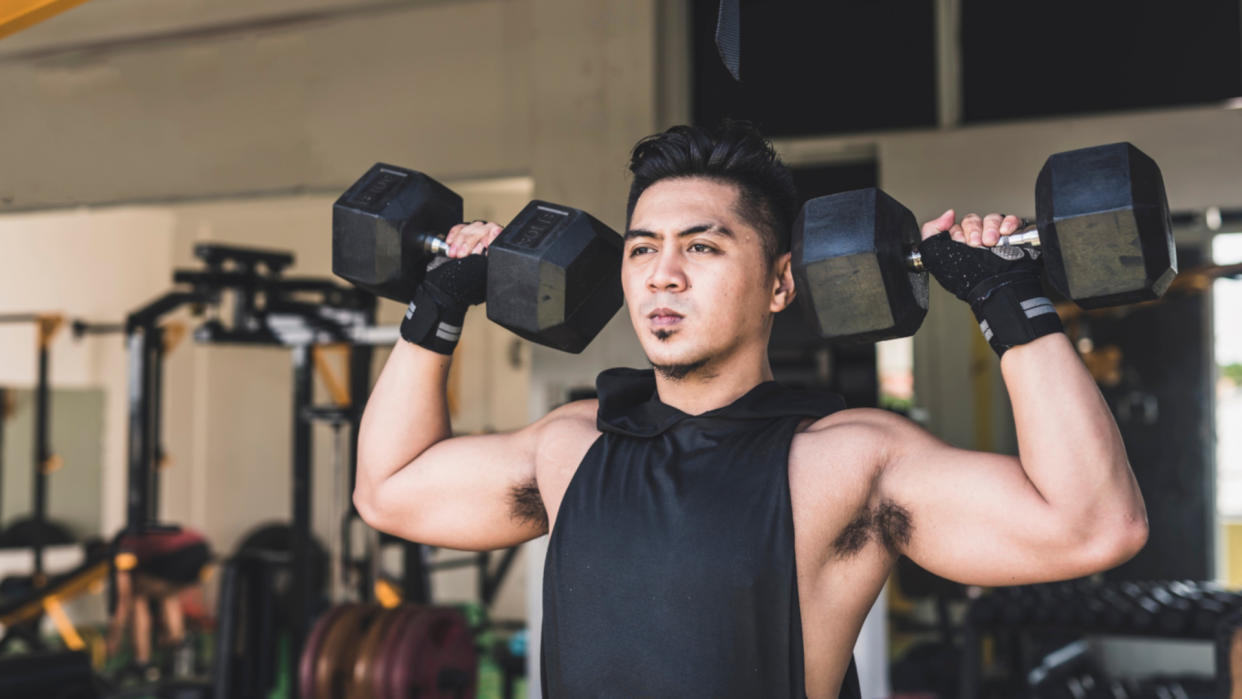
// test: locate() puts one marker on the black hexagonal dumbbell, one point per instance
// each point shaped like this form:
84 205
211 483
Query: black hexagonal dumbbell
1102 221
553 274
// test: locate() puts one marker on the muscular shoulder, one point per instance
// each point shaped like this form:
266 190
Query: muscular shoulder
836 467
867 433
562 439
572 422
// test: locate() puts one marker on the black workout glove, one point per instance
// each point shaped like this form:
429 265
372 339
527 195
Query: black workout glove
1001 284
435 316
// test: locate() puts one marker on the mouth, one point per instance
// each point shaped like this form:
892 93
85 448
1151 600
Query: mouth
664 318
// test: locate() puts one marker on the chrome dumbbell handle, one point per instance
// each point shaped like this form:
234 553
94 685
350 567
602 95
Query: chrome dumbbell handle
432 244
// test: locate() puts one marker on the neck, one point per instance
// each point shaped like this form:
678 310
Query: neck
715 384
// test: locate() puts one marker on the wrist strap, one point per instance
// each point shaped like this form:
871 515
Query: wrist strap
1013 310
432 325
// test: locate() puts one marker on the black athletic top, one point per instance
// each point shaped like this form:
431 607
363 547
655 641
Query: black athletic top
670 572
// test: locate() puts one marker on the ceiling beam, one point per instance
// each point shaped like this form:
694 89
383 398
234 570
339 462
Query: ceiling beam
16 15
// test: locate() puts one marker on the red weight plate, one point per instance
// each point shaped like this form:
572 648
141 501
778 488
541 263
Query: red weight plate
306 664
390 652
369 649
438 661
335 663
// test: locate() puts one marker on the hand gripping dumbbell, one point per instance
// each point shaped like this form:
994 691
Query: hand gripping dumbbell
553 274
1102 224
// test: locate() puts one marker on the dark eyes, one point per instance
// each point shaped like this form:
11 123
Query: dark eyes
694 247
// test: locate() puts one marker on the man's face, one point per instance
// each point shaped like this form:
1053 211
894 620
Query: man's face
696 281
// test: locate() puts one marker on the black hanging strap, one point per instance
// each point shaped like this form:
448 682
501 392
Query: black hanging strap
729 36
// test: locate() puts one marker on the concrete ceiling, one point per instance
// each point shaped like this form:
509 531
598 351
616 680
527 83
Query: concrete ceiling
104 23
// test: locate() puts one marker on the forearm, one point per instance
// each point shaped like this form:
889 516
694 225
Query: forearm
1068 442
406 413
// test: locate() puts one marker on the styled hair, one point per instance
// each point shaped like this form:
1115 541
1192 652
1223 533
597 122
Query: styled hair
734 153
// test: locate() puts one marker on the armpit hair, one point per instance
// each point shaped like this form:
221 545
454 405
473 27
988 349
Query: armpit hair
887 523
526 505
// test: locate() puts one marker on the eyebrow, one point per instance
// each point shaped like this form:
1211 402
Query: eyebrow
693 230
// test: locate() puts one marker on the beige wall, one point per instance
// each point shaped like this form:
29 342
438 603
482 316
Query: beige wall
188 104
1200 155
993 168
239 121
279 107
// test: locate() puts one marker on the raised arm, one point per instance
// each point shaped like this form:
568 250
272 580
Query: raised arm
413 480
1067 506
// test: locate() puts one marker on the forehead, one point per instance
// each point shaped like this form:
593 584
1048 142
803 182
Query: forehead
673 201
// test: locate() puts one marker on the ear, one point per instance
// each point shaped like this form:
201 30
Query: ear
783 292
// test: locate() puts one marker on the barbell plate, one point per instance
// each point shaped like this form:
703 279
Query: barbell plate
310 651
365 660
439 657
335 661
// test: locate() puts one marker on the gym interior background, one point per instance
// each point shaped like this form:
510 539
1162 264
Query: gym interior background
136 130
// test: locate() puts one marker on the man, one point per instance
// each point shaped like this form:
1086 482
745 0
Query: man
155 566
714 534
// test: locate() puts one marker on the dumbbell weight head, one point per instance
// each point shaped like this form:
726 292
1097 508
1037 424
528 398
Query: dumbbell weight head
381 226
554 276
850 269
1104 225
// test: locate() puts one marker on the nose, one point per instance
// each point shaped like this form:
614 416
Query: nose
667 273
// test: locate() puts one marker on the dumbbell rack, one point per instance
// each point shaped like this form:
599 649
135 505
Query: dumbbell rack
1087 608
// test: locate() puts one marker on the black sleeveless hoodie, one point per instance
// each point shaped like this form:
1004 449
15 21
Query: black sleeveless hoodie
670 571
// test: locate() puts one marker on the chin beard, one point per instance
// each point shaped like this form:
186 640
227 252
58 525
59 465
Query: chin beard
677 372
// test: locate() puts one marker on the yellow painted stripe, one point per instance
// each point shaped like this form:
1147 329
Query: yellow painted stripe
981 391
53 464
1233 553
16 15
336 386
68 634
387 594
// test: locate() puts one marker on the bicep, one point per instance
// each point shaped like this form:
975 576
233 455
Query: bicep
463 493
975 517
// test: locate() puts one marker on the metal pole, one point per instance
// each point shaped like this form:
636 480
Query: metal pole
417 580
42 453
302 592
136 506
154 392
4 404
361 358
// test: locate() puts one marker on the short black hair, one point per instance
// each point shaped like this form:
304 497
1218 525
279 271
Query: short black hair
735 153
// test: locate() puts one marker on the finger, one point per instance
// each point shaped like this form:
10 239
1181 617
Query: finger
939 224
464 237
1010 224
494 229
991 228
957 234
972 226
453 233
482 236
